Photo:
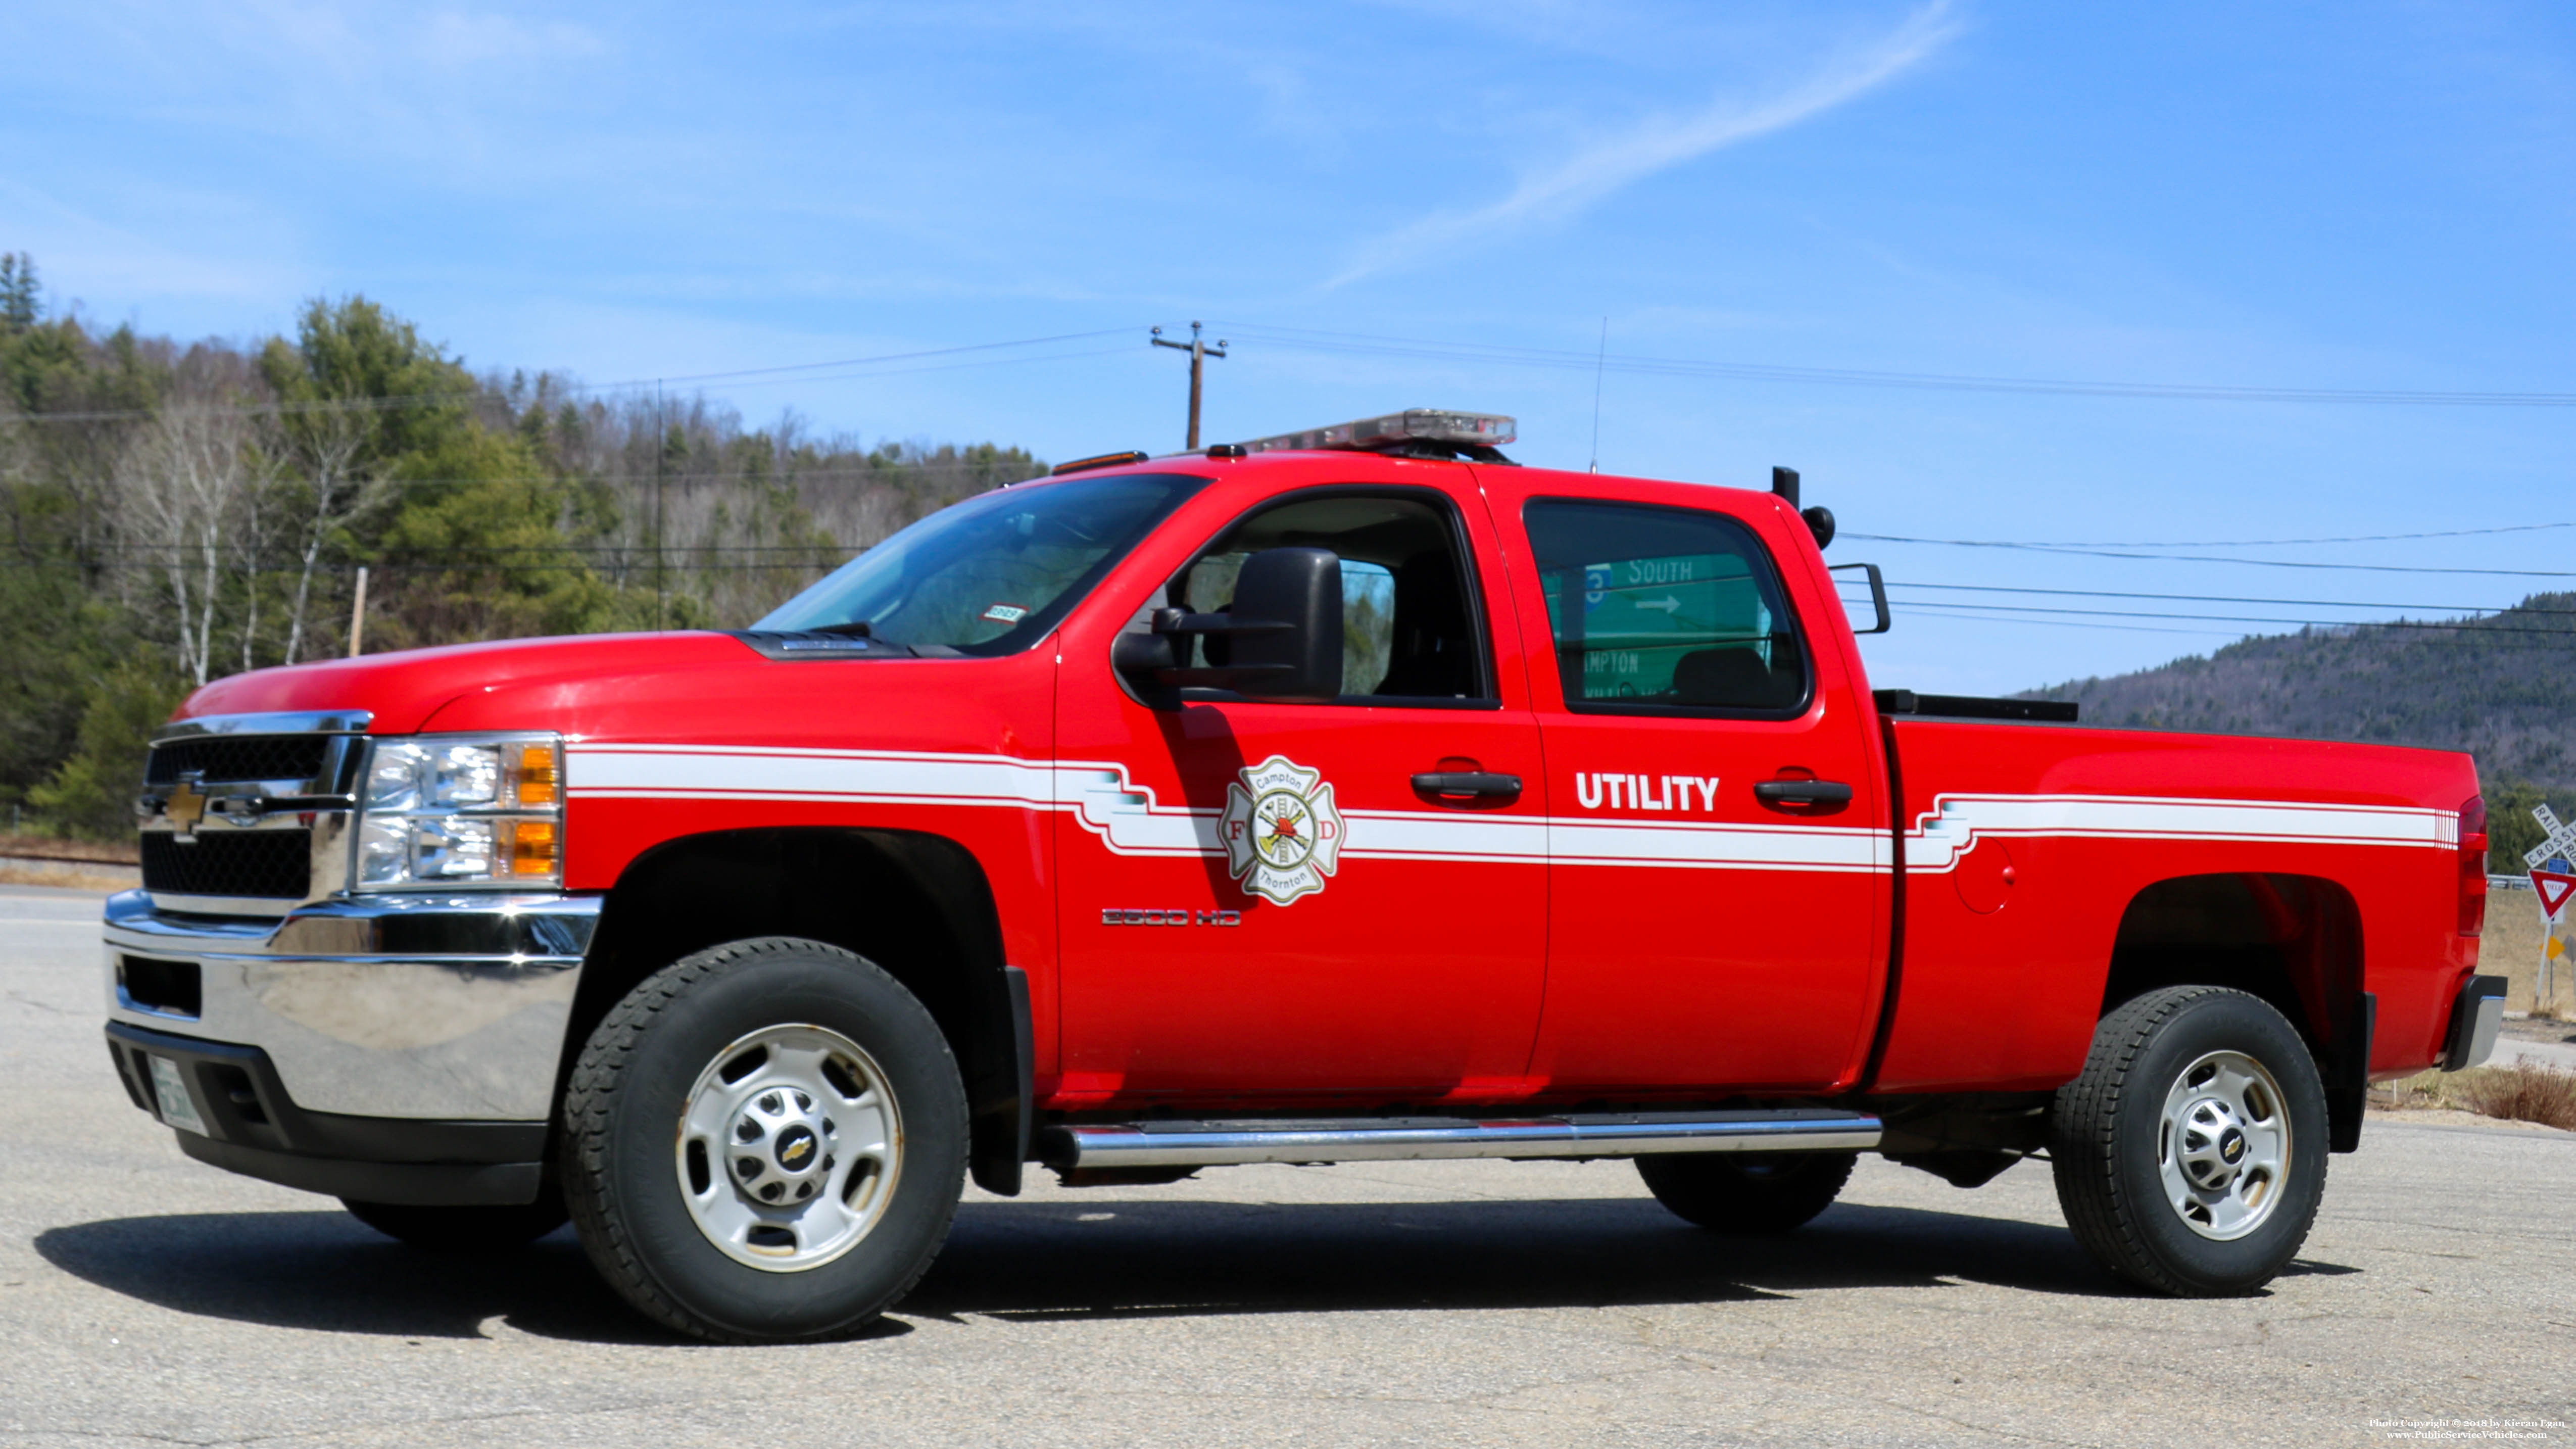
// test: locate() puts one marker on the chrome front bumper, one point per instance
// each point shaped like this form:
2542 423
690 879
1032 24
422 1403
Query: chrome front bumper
445 1008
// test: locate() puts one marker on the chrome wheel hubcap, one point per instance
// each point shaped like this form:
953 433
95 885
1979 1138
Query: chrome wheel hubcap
789 1147
2223 1148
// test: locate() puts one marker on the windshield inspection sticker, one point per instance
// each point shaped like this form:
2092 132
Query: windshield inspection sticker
1282 834
1006 613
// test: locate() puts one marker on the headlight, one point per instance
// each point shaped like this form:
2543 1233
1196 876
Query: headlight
462 812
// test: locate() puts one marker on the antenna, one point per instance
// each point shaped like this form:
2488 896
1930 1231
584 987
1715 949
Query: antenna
1600 362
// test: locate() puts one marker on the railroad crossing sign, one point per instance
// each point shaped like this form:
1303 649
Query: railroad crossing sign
2555 887
2561 837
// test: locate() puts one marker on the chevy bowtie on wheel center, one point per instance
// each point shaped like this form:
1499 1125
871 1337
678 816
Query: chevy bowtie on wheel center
1504 813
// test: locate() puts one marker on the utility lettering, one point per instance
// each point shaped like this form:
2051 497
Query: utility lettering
1646 792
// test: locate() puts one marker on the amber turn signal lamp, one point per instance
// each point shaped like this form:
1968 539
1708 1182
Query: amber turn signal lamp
537 775
532 848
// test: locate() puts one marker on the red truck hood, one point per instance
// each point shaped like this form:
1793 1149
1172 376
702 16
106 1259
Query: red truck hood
403 690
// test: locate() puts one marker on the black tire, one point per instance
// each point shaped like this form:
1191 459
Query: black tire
2108 1144
1747 1193
463 1229
629 1198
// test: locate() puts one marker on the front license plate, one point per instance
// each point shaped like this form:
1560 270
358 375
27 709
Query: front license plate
177 1107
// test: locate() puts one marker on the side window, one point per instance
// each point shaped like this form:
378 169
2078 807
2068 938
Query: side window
1664 608
1408 624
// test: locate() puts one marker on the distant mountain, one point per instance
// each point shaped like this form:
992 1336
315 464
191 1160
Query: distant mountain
2502 688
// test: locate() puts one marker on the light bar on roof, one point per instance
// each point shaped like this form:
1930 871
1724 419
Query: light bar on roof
1414 425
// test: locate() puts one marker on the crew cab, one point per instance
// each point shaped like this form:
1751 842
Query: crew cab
1349 795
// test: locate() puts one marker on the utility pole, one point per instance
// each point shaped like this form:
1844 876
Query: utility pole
358 613
1199 353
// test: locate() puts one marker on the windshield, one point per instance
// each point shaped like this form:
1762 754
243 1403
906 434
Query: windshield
992 574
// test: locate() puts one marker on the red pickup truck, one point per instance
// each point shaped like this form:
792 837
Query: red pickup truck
1353 795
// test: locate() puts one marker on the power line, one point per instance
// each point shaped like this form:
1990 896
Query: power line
2269 563
234 571
2226 598
1366 343
1931 612
946 367
194 549
1597 362
891 472
857 361
2480 625
2273 542
465 396
1988 619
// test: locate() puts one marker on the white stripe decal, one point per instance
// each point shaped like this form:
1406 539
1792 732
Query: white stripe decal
1717 847
1952 827
1407 835
1101 798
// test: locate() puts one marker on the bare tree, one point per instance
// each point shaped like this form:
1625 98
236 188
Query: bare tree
187 477
326 445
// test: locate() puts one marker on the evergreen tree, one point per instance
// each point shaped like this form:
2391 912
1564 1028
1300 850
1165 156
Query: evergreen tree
21 307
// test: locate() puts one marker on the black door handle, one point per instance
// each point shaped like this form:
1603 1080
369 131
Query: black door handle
1467 784
1802 792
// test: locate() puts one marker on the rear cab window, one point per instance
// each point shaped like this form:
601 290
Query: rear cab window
1655 609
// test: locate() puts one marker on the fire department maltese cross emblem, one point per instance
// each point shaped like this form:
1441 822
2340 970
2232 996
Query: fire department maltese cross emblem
1282 834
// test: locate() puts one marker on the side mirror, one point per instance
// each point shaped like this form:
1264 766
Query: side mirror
1300 589
1280 640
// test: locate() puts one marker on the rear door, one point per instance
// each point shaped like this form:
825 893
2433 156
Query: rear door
1718 854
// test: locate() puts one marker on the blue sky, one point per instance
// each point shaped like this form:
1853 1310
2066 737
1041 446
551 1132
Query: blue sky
2353 197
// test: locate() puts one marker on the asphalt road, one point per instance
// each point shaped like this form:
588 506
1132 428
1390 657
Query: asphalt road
145 1299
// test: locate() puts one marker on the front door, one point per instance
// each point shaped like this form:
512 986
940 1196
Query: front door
1257 900
1717 840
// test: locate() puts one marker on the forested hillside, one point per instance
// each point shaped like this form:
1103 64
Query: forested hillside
176 512
2502 688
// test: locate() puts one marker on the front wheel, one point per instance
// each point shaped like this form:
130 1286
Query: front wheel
1747 1192
2190 1155
765 1141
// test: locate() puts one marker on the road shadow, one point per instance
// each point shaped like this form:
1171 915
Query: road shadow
328 1271
1076 1259
1142 1258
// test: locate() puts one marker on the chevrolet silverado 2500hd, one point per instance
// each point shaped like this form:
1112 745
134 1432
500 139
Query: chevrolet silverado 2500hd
1352 795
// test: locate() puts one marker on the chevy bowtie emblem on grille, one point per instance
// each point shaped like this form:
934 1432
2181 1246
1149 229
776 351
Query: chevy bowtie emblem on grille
1282 834
185 808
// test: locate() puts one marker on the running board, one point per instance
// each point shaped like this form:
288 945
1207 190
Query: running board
1400 1139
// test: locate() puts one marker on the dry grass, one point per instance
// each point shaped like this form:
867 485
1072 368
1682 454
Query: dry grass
2523 1093
2518 1093
51 847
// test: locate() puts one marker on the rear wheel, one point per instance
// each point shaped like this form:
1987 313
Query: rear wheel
764 1141
1747 1192
462 1229
2190 1156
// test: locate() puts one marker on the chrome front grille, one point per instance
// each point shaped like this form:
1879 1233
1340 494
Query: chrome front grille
222 861
232 758
250 814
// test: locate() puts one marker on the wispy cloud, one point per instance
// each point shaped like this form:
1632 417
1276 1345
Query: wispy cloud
1580 182
454 37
